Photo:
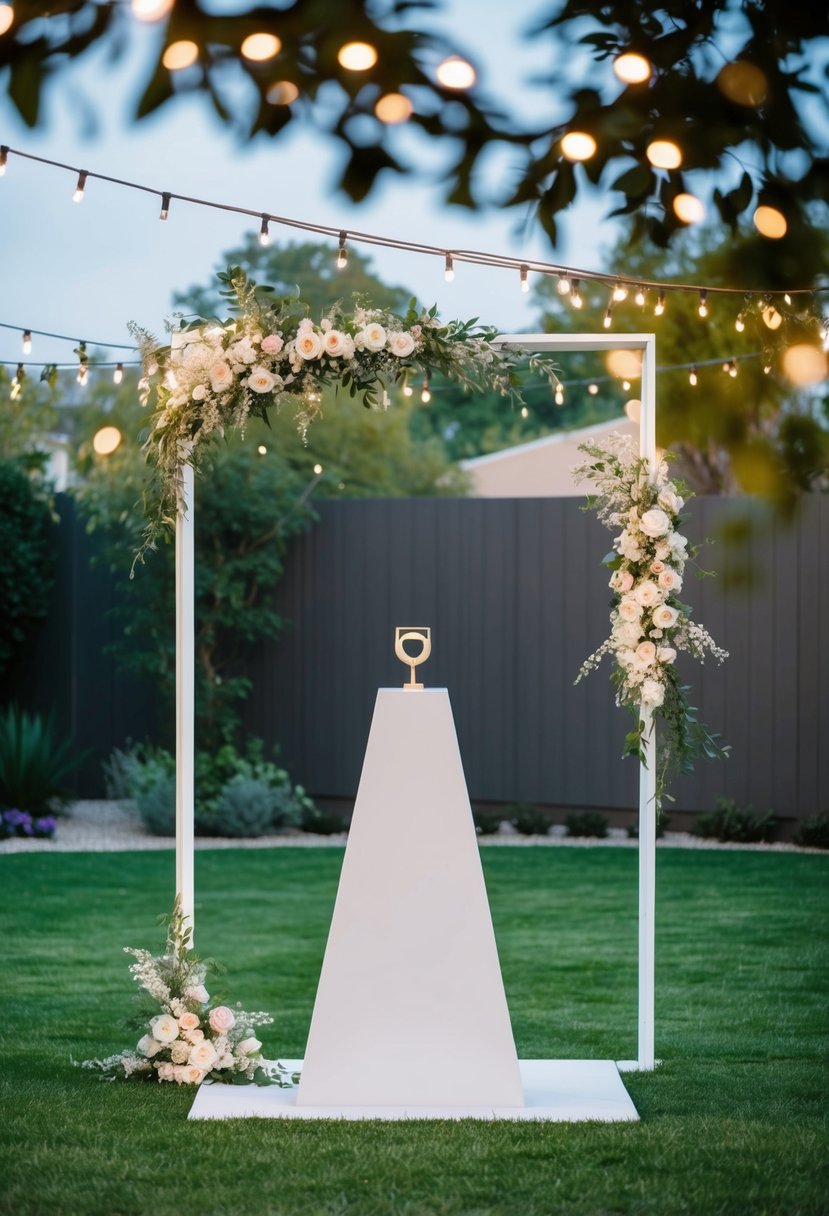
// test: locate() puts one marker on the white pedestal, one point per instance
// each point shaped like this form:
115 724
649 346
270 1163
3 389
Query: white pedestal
410 1010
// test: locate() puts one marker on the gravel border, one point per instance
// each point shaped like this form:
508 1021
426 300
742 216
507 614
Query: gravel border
116 827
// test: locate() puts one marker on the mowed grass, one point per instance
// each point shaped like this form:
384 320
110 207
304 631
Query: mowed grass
734 1121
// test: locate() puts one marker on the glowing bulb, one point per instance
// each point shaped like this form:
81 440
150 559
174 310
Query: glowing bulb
118 374
633 409
6 17
262 450
151 10
525 413
739 324
772 317
407 390
689 208
425 395
693 378
4 158
563 285
83 374
165 206
632 68
357 56
259 47
592 389
449 269
342 253
575 295
727 366
787 299
27 342
524 279
620 292
81 186
625 386
766 368
664 154
770 222
106 440
264 235
660 304
703 304
639 298
456 73
282 93
805 364
559 394
179 55
393 108
578 145
732 371
317 470
608 316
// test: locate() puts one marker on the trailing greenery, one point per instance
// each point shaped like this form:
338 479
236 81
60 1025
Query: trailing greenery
35 765
813 833
728 821
28 567
586 823
733 1120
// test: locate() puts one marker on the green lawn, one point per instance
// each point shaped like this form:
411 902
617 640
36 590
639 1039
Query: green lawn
734 1121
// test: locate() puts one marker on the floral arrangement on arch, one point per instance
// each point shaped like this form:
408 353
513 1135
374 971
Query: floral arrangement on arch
188 1037
649 622
215 375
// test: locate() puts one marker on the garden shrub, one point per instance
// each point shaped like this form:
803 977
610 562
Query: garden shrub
35 766
245 807
487 823
323 823
27 568
813 833
528 819
730 822
586 823
157 803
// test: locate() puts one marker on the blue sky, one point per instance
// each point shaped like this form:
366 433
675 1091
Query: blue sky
89 268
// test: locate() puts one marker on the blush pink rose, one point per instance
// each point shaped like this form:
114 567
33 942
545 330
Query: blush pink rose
222 1019
188 1021
273 344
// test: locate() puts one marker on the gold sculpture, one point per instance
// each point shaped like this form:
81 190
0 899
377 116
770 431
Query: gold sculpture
423 635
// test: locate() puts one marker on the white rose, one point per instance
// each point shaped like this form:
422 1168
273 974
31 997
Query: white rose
373 336
628 609
148 1046
260 380
621 580
662 550
401 345
221 377
203 1055
195 1035
655 522
225 1061
199 392
334 343
308 345
627 632
653 693
669 580
628 546
190 1075
666 654
242 351
164 1028
670 501
199 993
646 652
248 1047
664 616
647 594
626 658
678 545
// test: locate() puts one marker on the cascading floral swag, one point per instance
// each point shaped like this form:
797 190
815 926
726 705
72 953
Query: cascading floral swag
649 622
214 375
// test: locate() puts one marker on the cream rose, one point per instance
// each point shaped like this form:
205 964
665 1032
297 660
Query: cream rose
655 522
247 1047
197 993
221 377
273 344
373 336
657 567
195 1036
188 1021
653 693
628 609
203 1055
669 580
647 594
666 654
222 1019
669 500
166 1070
308 345
180 1052
628 546
199 392
646 652
627 632
164 1028
260 380
621 580
401 344
148 1046
664 616
190 1075
334 343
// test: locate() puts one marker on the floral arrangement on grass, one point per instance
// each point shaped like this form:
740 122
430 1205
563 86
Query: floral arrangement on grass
215 375
187 1037
649 622
21 824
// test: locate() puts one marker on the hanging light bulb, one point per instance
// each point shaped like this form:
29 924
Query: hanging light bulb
693 378
575 294
766 367
357 56
342 252
118 374
578 145
264 235
739 324
83 374
524 278
17 382
4 158
639 298
620 293
165 205
608 316
81 186
727 366
27 342
632 68
559 394
732 371
660 304
563 285
664 154
525 413
625 386
456 73
425 394
703 303
592 389
407 390
449 268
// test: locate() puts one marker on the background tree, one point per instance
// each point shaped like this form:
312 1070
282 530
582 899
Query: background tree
27 543
737 86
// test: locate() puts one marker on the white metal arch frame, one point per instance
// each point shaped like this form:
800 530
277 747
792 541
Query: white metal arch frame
185 676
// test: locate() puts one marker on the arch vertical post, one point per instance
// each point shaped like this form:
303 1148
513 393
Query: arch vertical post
185 694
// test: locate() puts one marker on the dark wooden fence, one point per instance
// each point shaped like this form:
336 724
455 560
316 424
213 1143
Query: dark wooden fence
516 598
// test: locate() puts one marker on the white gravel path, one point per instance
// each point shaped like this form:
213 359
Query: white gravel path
114 827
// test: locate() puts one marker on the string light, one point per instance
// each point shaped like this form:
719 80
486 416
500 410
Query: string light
6 17
625 386
106 440
407 390
83 374
4 157
664 154
770 223
264 235
766 367
620 293
608 316
559 394
357 56
318 470
787 299
118 374
563 285
575 295
27 342
693 379
393 108
449 268
259 47
639 298
455 73
165 205
180 55
632 68
593 389
81 186
578 145
151 10
342 252
262 450
660 304
525 413
17 382
703 303
524 278
688 208
425 393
